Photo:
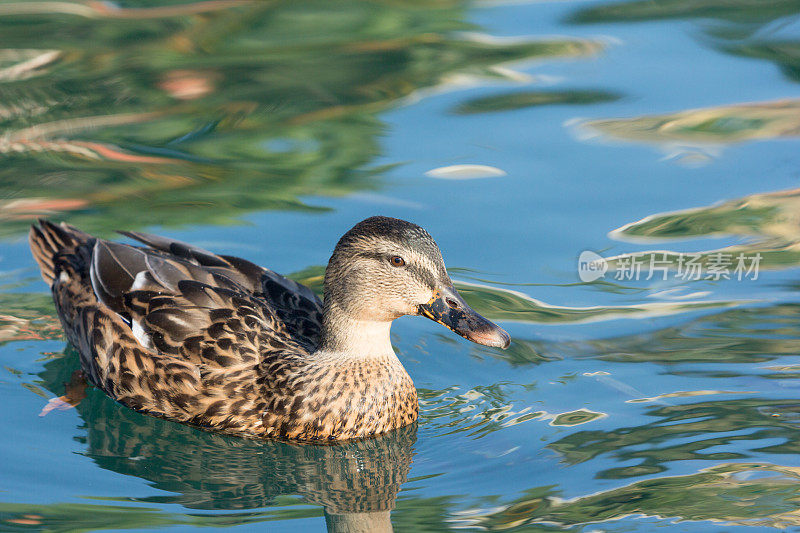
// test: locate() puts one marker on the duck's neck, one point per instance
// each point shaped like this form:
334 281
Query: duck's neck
354 337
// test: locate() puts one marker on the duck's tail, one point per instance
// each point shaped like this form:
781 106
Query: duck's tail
49 240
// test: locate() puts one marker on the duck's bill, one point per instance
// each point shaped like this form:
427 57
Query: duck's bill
448 308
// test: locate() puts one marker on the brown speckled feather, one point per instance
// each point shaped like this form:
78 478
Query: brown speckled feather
213 341
295 305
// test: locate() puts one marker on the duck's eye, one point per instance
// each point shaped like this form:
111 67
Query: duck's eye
397 261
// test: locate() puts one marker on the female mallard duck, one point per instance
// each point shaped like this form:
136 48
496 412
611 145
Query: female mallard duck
218 342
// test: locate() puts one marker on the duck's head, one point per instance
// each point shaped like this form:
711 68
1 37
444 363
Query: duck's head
384 268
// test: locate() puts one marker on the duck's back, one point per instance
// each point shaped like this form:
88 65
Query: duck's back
174 330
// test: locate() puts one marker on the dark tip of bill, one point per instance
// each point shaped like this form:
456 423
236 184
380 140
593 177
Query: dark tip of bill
495 337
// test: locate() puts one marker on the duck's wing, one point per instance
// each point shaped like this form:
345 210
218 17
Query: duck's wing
295 304
196 313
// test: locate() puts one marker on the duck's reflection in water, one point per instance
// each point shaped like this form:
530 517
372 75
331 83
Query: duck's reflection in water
356 483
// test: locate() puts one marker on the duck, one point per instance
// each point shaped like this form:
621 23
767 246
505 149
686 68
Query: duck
217 342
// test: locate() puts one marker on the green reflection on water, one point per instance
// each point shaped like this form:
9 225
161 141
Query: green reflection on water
27 316
521 100
744 11
739 336
740 29
64 517
749 494
784 53
202 112
707 126
687 432
754 494
771 222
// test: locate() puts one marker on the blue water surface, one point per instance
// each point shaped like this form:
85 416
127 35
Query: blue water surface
266 130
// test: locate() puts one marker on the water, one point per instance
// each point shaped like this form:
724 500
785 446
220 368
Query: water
266 129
